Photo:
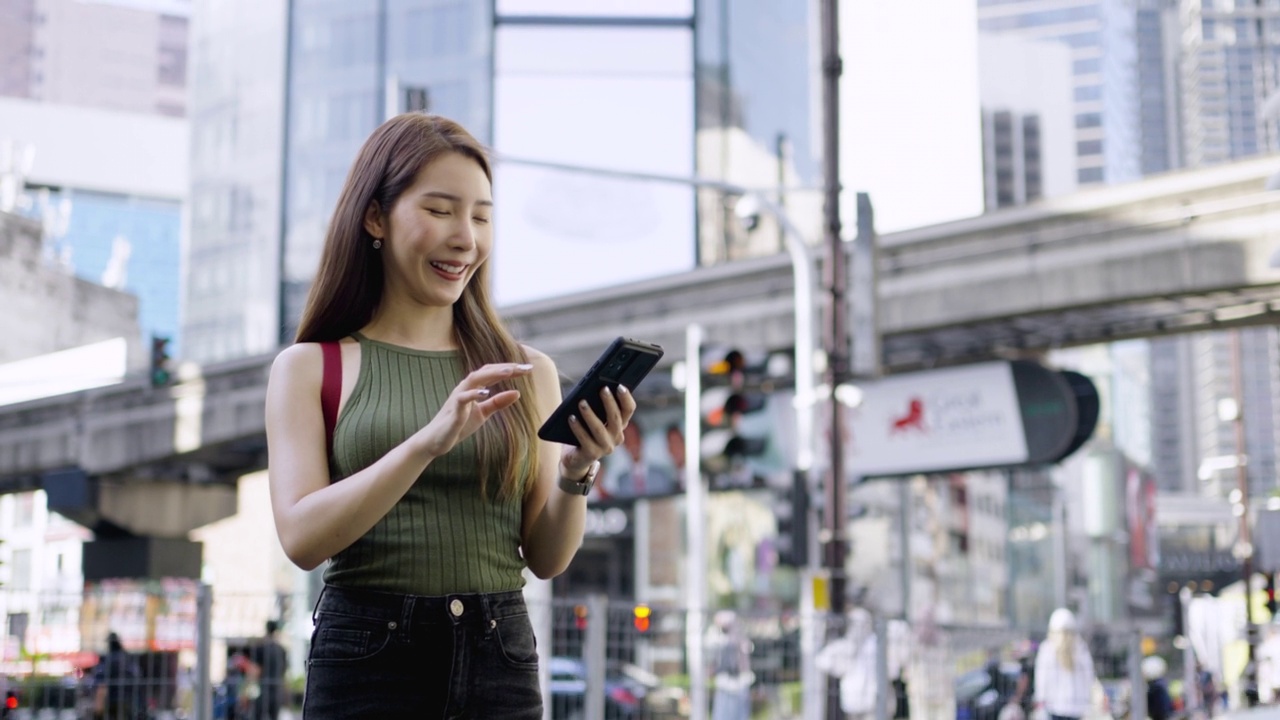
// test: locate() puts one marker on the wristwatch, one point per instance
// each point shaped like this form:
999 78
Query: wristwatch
583 486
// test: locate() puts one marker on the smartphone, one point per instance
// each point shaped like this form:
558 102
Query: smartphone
625 362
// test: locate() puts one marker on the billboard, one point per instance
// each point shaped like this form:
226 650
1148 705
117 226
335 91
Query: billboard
612 98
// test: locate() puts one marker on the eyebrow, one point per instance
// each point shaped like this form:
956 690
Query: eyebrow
452 198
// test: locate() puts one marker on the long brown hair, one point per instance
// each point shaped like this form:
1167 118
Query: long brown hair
349 284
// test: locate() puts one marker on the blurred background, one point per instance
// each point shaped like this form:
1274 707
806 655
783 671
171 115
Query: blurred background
1062 228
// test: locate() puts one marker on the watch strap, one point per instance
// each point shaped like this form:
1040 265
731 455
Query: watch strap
583 486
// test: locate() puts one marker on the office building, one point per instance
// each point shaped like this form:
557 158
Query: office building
93 141
285 93
127 55
1101 35
1028 141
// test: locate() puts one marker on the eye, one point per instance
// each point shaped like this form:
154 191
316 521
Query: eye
438 213
481 220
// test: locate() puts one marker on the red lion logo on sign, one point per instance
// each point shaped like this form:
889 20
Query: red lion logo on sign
913 420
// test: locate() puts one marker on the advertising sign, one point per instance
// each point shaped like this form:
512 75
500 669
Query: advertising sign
987 415
938 420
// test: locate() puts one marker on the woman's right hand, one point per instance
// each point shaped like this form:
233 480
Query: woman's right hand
469 406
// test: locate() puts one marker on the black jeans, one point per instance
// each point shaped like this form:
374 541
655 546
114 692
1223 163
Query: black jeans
383 655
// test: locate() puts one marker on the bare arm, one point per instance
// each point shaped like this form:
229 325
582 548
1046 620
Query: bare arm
316 519
554 519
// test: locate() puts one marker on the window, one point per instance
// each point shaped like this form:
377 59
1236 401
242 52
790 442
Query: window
1089 175
1089 147
20 570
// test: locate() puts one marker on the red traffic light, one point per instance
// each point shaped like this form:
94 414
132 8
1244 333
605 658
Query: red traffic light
10 700
580 617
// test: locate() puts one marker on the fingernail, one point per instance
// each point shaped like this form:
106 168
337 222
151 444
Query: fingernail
622 390
582 404
524 366
483 392
573 419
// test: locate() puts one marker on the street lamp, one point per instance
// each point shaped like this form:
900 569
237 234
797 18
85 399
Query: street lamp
750 202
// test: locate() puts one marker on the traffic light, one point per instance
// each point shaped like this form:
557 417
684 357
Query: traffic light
735 391
10 703
160 373
580 617
642 615
791 510
1271 594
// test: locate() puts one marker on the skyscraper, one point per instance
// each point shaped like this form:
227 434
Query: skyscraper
284 93
1104 50
93 98
1230 62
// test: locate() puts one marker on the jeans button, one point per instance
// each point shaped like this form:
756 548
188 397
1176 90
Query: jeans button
455 607
391 625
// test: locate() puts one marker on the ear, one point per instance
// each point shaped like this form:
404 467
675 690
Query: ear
373 221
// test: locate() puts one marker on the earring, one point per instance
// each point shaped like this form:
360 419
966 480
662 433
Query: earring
377 243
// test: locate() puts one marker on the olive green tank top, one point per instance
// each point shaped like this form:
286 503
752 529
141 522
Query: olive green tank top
443 536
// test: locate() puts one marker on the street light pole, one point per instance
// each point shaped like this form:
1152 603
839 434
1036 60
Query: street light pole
838 337
802 270
1245 542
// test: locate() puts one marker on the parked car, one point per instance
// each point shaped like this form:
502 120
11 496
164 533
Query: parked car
623 696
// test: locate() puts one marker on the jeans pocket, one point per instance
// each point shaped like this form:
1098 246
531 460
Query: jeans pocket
516 640
347 639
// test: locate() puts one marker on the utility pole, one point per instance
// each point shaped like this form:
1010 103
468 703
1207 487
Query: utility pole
1244 545
838 335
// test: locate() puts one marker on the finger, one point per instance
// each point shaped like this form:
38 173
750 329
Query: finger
501 400
612 413
493 372
626 402
593 430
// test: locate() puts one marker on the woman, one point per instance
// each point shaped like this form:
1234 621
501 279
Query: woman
1064 674
434 493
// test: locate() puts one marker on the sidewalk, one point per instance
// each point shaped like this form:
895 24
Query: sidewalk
1268 712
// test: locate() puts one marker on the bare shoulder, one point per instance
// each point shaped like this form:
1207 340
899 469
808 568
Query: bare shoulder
541 361
545 376
300 361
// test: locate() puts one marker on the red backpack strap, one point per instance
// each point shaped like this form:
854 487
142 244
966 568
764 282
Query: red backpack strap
331 388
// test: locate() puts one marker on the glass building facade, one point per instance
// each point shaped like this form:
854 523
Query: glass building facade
671 88
1102 38
124 242
347 60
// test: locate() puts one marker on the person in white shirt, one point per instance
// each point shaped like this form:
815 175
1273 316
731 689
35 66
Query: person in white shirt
1064 670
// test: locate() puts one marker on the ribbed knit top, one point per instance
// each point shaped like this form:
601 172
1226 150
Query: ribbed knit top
443 536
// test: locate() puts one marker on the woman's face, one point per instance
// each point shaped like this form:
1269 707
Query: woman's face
439 231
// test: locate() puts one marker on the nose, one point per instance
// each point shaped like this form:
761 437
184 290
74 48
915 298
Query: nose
464 236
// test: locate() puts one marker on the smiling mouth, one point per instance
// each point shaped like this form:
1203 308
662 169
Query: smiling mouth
449 268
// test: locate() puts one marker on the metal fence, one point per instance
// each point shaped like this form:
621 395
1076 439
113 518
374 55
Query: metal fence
608 659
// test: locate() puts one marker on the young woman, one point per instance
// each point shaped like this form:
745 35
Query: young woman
433 493
1064 676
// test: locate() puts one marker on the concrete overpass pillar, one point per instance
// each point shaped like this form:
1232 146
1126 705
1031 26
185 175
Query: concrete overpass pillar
140 526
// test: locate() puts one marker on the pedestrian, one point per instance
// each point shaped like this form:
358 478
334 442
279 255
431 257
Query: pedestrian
1159 701
415 469
730 653
852 658
268 665
116 692
1064 675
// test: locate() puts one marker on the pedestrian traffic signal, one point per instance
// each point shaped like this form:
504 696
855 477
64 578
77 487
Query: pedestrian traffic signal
1271 594
791 510
641 617
160 372
580 617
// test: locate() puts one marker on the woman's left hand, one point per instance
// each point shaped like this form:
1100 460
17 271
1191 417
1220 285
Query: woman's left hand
597 437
